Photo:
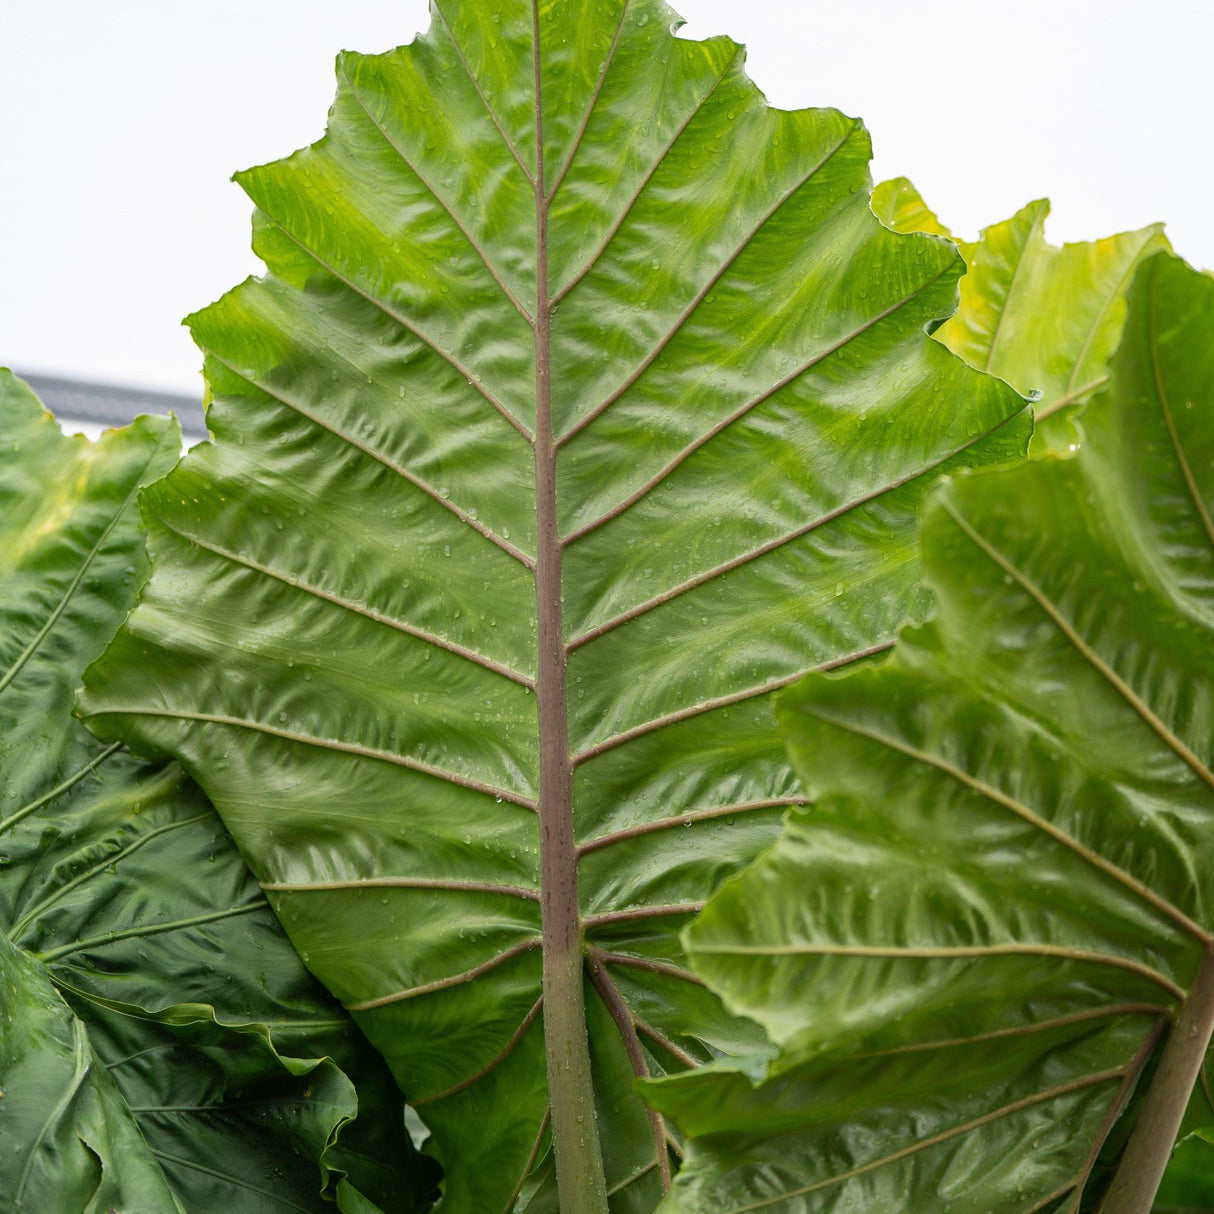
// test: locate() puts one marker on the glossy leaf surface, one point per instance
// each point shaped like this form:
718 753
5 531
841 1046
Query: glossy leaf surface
564 429
970 949
162 1046
1046 319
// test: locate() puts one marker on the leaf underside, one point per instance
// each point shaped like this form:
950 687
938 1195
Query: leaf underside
973 946
677 379
163 1049
1044 318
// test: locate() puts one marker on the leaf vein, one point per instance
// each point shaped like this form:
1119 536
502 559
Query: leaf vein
491 1066
621 1014
734 697
687 819
442 984
471 887
1102 668
350 748
1017 949
700 296
475 245
381 458
1017 1106
74 585
744 410
531 1158
151 929
778 542
89 873
59 789
476 84
405 323
354 608
641 912
80 1050
1170 421
1025 813
239 1182
1131 266
644 963
594 100
605 243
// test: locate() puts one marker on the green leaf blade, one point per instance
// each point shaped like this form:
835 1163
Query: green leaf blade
1008 854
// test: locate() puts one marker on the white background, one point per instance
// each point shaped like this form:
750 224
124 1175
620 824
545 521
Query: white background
121 122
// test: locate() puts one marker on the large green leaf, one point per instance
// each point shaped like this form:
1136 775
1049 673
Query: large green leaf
971 947
162 1046
1044 318
584 405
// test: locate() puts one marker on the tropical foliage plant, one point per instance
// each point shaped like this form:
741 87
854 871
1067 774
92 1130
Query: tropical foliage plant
586 404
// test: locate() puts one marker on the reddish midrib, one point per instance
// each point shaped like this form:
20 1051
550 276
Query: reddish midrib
579 1165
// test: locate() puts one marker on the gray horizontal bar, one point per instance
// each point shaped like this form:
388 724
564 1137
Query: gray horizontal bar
111 404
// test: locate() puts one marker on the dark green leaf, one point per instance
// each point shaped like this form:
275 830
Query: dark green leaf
163 1046
1188 1186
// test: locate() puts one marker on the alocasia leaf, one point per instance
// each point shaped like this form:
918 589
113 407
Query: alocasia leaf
161 1047
584 405
1046 319
999 914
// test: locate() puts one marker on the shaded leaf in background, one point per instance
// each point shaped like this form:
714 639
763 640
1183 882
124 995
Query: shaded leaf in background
974 944
613 392
1044 318
1188 1186
162 1046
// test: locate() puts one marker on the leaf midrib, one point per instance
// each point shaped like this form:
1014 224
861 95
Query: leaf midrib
578 1154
